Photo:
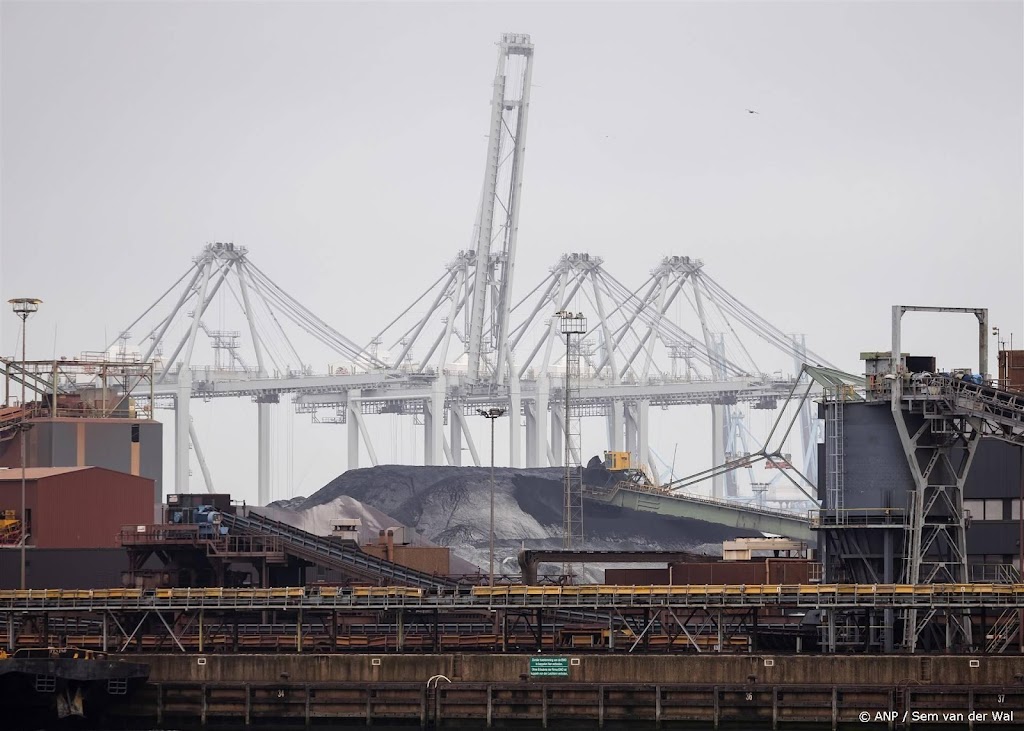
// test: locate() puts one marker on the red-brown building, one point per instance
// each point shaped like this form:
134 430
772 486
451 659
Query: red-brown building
77 507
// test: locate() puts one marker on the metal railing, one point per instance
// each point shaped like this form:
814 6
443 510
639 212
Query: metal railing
327 552
807 596
690 497
994 573
857 517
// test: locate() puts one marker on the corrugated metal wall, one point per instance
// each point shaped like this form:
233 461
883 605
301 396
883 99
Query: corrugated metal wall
83 508
94 442
877 474
64 568
637 577
87 508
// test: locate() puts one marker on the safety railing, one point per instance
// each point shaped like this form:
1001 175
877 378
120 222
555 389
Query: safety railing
160 534
553 597
690 497
857 517
325 550
994 573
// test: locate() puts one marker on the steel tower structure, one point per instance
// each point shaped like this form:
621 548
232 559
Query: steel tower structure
939 451
573 327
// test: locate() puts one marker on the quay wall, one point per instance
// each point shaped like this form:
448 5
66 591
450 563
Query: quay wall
767 669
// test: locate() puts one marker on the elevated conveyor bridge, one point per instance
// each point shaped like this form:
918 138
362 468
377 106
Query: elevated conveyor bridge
596 597
331 553
711 510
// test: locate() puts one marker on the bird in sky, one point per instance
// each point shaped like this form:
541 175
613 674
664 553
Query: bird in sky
751 111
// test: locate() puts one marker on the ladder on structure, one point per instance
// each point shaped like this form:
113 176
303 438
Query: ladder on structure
1003 632
834 457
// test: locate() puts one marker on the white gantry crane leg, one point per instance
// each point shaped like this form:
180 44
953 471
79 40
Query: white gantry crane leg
454 436
518 45
555 455
456 415
484 224
536 424
433 423
808 418
264 411
356 430
515 431
182 423
719 417
207 479
352 427
616 424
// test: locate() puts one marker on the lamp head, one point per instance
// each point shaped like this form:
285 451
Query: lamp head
24 306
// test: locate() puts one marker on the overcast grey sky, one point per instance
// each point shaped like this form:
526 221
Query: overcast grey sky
343 144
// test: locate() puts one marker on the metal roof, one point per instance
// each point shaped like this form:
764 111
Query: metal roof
13 474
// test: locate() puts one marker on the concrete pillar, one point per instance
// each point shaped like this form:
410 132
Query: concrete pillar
352 425
182 421
264 410
515 423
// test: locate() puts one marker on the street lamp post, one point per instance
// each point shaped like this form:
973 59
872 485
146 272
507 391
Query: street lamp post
23 307
491 414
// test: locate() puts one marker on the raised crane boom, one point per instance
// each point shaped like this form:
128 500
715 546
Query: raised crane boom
498 215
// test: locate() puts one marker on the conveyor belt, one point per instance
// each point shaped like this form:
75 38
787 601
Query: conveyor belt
333 554
807 596
1001 409
711 510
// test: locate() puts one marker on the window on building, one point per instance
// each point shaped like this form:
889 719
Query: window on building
1015 510
993 510
976 508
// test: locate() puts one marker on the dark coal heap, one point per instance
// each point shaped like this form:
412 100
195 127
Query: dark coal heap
450 506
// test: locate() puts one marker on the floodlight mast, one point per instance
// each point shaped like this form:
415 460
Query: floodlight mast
573 327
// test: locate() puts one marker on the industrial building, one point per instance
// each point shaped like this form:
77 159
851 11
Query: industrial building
77 507
922 484
132 446
72 519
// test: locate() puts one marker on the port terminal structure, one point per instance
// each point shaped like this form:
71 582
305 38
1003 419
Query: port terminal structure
469 342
